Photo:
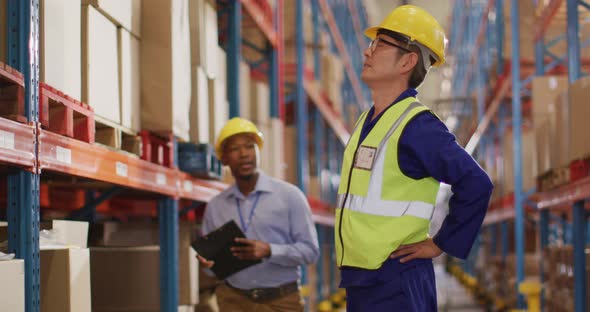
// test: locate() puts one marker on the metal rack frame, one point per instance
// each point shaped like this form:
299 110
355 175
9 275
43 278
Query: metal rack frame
573 195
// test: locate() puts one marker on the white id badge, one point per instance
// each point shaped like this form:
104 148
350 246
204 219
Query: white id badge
365 156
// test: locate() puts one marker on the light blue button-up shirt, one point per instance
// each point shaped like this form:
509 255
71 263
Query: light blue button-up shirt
282 218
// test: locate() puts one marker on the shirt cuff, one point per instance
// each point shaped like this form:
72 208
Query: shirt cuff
278 251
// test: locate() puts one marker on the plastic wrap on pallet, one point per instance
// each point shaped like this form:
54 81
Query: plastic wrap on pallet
199 160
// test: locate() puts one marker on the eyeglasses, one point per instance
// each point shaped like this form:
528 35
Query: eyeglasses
373 45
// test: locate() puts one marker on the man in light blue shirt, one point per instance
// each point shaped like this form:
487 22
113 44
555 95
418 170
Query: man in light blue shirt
276 219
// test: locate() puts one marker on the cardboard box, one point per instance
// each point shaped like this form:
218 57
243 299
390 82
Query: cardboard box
560 145
60 35
218 104
579 93
204 35
529 165
165 66
245 105
543 142
129 79
544 92
123 13
12 286
128 278
260 102
199 112
218 108
71 233
290 154
113 234
277 150
100 70
65 280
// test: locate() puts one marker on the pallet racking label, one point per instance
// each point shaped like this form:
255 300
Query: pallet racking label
6 140
63 155
188 186
121 169
161 179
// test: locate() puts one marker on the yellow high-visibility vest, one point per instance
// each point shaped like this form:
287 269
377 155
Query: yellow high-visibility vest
379 207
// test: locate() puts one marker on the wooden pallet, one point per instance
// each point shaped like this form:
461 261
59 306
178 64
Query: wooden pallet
117 137
61 114
158 148
12 94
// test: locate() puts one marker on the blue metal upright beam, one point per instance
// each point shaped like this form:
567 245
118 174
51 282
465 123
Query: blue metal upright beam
274 71
500 36
315 11
318 130
23 187
544 240
320 263
579 237
517 149
168 213
573 41
23 229
301 104
234 55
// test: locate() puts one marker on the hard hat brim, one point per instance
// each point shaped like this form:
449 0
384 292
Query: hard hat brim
371 32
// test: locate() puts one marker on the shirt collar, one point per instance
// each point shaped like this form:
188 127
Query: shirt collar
410 92
264 184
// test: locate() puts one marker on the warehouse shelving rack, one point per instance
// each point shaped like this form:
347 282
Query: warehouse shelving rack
571 197
29 152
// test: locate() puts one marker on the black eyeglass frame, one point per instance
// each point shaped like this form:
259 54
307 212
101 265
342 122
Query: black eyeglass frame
375 42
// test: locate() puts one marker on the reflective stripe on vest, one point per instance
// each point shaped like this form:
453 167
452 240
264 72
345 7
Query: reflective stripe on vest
387 208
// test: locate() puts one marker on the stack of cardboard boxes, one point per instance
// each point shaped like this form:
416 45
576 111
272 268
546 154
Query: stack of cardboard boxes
64 269
209 108
560 121
126 267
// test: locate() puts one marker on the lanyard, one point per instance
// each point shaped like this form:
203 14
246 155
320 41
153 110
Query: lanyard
244 225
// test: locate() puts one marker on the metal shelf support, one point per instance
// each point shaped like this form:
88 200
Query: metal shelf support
23 229
168 214
234 55
573 41
517 137
23 192
579 238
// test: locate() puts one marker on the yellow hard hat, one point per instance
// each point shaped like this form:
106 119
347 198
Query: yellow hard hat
235 126
416 24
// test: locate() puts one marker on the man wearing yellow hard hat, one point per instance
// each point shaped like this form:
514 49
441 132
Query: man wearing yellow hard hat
274 216
392 167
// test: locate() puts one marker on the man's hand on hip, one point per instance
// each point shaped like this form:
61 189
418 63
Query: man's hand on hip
423 250
251 249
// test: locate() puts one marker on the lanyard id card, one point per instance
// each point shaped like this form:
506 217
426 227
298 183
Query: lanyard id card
365 157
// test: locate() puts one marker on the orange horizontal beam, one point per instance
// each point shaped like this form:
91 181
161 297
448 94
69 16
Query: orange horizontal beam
17 144
65 155
264 20
564 195
199 190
